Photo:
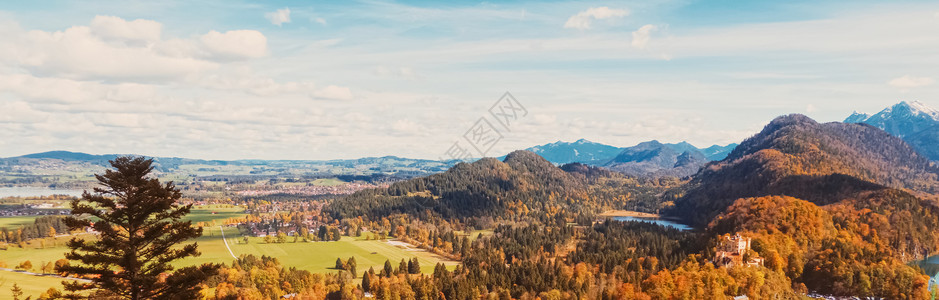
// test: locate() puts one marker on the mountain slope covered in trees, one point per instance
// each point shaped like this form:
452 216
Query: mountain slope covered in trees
838 208
796 156
524 185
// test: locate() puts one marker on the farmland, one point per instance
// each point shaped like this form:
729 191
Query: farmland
32 285
318 257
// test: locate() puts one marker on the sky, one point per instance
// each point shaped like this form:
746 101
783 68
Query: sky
347 79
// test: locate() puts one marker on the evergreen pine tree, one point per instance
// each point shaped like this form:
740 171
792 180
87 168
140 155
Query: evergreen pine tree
414 267
339 264
388 270
402 267
140 233
366 282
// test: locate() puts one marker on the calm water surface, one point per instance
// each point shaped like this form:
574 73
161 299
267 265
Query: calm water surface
656 221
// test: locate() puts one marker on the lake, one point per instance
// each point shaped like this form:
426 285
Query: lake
930 265
36 192
656 221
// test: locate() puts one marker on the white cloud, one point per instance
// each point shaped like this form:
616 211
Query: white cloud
235 44
110 27
583 19
244 79
116 119
810 108
78 52
279 17
641 37
333 92
320 20
20 112
63 91
407 127
111 48
908 81
403 72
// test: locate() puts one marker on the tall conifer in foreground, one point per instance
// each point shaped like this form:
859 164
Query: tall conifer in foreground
140 232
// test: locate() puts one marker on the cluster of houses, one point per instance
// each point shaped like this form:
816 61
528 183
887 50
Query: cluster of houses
311 190
32 211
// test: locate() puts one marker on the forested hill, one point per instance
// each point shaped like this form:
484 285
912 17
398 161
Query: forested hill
522 183
796 156
523 187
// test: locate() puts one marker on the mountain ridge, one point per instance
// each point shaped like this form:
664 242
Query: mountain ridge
646 159
796 156
914 122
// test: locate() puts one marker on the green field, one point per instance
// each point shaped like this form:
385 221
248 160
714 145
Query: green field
314 256
220 212
15 222
319 257
32 285
328 181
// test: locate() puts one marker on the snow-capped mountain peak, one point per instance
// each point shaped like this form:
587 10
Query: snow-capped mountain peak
901 119
920 108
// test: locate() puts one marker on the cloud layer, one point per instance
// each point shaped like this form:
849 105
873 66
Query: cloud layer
391 78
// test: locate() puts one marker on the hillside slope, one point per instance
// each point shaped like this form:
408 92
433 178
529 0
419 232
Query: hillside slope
522 183
840 209
796 156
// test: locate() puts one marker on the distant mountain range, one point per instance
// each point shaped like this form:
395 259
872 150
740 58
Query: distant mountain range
45 168
914 122
582 151
646 159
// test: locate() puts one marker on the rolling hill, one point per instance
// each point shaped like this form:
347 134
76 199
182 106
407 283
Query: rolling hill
522 182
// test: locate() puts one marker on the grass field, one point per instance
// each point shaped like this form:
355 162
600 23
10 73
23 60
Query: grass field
321 256
208 213
318 257
31 285
15 222
328 181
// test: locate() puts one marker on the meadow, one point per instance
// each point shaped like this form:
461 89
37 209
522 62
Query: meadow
317 257
15 222
32 285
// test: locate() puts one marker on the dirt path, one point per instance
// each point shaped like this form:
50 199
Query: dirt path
226 242
44 275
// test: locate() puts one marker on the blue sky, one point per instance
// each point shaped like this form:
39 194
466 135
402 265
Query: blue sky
329 79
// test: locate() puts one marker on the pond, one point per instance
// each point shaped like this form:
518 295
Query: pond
657 221
23 191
